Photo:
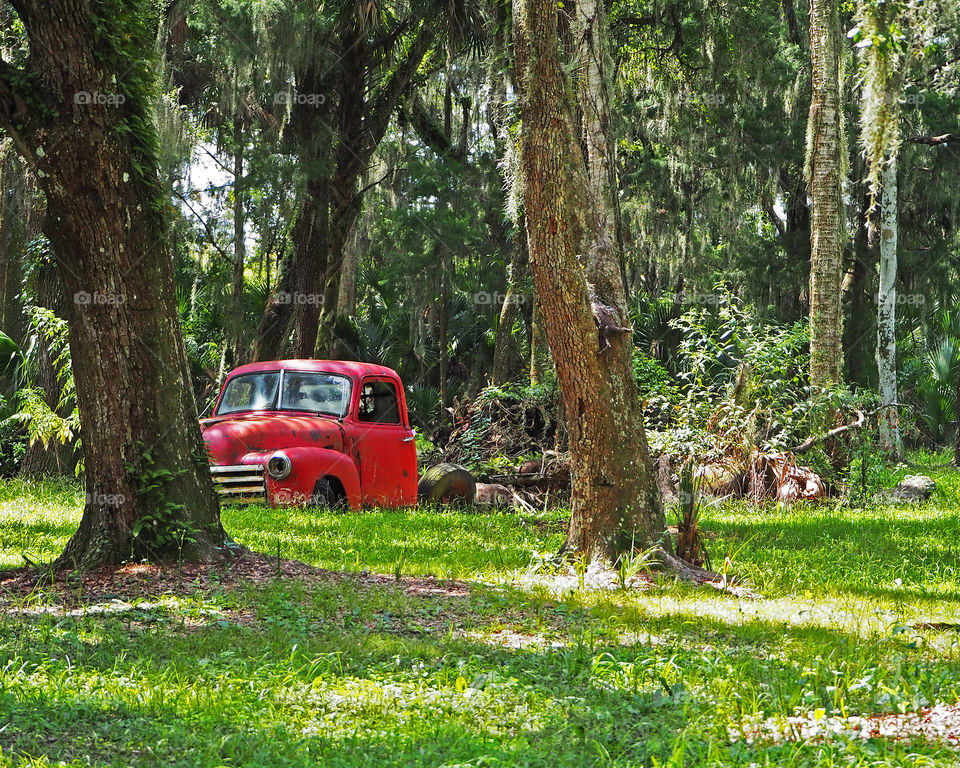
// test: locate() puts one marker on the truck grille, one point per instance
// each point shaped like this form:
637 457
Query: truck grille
239 483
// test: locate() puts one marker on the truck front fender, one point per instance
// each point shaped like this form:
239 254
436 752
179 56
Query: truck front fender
308 465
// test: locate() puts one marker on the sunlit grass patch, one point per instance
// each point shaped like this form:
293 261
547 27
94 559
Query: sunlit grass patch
37 518
424 540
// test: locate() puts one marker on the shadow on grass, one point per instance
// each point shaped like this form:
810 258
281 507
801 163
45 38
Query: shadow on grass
136 695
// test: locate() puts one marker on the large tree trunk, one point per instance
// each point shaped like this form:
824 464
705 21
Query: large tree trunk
148 485
615 501
362 119
887 314
824 159
274 331
594 97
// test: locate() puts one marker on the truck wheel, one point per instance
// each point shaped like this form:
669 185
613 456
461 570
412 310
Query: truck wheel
326 496
447 483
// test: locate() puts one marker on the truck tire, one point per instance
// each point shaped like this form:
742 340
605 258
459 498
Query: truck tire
447 483
326 496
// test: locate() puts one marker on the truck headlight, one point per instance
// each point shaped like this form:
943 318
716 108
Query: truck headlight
279 465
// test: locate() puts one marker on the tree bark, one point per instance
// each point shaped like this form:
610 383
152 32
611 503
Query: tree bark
239 246
94 158
824 160
309 249
890 441
18 226
594 94
615 504
504 349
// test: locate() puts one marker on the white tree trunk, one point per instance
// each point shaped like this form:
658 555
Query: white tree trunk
887 313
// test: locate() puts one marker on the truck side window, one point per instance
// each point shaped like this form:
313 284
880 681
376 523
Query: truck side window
378 403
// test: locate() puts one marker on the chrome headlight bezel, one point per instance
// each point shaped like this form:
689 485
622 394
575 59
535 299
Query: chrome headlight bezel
278 466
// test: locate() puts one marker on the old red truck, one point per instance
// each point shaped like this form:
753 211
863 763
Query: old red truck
319 432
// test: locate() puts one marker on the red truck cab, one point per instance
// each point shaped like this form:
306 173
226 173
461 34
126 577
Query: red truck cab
319 432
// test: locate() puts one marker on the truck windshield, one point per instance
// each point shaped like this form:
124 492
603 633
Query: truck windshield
325 393
315 392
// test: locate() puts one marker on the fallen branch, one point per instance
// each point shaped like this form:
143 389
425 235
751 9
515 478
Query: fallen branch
934 141
807 444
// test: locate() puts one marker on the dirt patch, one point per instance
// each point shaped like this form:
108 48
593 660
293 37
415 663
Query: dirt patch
137 580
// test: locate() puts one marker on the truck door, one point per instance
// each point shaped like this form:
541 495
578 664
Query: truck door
385 445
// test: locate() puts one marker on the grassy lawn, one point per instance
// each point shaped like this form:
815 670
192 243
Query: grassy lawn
485 664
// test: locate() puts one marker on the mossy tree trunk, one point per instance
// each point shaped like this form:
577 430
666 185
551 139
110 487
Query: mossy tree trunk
824 179
79 113
615 500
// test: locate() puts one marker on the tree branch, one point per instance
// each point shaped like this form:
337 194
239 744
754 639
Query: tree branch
382 108
806 445
430 132
210 235
934 141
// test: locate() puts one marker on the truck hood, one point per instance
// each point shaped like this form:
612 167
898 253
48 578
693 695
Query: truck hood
231 438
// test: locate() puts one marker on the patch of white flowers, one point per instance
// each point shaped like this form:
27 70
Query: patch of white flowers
939 724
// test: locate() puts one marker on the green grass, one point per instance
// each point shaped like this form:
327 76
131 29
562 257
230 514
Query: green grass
356 672
437 541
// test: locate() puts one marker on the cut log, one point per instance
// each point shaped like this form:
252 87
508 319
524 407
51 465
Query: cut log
447 483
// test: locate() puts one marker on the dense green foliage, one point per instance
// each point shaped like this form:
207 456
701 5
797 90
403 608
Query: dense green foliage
709 113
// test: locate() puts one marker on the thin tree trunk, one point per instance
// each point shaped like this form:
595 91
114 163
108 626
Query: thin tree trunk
443 341
890 440
239 246
505 348
18 226
615 502
310 236
824 147
538 350
860 330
